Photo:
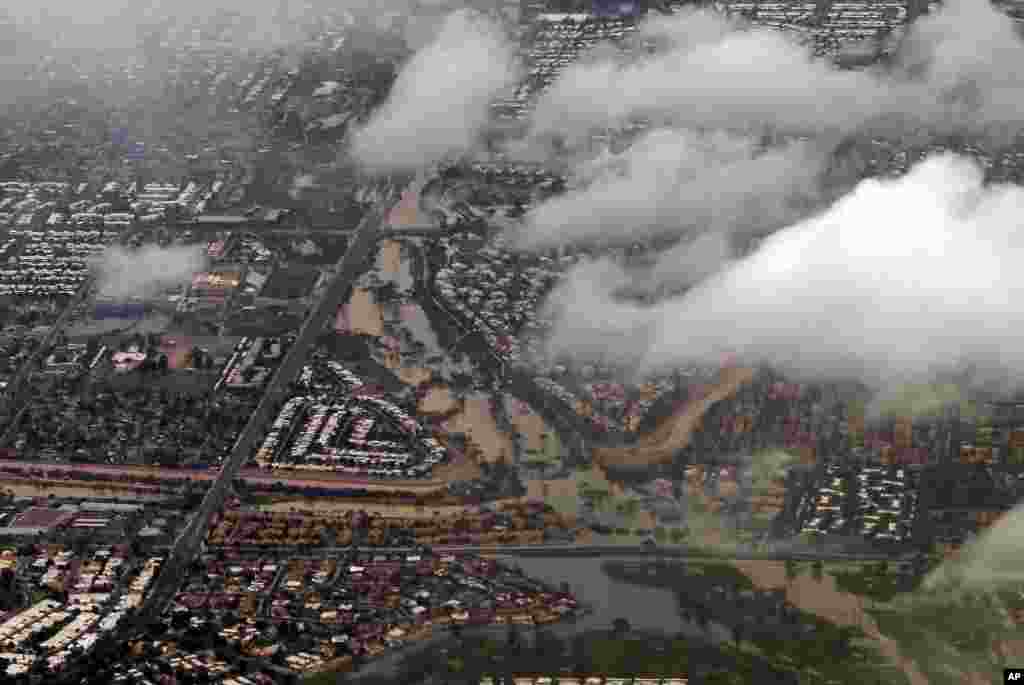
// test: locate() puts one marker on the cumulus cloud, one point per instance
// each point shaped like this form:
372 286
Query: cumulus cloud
617 332
440 100
146 271
896 281
119 50
688 263
967 55
956 70
713 73
100 25
674 181
990 561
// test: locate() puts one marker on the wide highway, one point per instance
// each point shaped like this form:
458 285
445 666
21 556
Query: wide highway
188 544
565 551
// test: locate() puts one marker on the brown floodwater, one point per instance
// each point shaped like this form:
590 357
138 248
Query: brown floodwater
366 315
473 418
528 422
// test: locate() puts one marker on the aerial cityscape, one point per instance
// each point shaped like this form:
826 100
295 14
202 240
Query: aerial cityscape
605 342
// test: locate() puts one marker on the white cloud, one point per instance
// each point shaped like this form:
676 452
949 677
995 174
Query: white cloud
440 100
671 182
713 73
896 280
992 560
146 271
958 70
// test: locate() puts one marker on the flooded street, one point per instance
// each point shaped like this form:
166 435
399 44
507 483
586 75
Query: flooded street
412 351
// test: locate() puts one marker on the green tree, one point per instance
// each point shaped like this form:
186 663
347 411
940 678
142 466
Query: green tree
791 571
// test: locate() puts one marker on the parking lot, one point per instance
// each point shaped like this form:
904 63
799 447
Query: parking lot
878 504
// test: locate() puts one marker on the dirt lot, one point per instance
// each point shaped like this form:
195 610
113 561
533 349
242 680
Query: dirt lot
45 489
323 506
659 445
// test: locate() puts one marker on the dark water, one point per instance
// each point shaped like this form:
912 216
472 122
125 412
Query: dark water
645 608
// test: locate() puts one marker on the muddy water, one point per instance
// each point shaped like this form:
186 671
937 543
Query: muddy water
407 214
474 419
527 422
364 315
392 266
438 401
674 433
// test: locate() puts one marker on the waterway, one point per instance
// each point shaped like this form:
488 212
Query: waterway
646 608
414 354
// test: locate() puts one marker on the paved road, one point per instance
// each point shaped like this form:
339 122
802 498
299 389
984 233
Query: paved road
188 544
567 551
249 474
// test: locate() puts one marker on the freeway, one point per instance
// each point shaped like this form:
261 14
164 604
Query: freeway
188 543
567 551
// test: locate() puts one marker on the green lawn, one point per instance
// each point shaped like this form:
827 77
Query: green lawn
552 447
563 504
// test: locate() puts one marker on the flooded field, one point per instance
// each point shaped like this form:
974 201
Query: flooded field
392 266
473 418
540 438
412 351
363 315
476 421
